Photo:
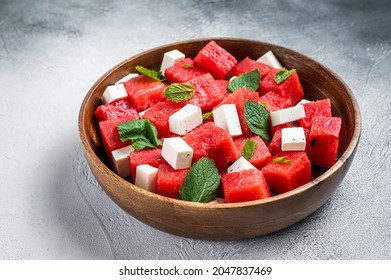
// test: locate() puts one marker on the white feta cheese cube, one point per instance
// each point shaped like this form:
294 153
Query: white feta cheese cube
170 58
226 117
287 115
218 200
303 101
240 164
177 153
127 78
113 93
121 160
185 120
146 177
270 60
293 139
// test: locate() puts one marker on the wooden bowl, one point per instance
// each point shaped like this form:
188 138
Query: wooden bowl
232 220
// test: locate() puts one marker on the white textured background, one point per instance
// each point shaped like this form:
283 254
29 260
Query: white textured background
51 52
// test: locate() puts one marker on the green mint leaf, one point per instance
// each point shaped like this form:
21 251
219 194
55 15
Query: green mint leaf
258 119
207 115
249 80
201 183
179 92
282 75
282 160
249 149
142 133
187 66
156 75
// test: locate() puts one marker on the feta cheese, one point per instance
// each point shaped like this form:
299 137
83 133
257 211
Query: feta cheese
226 117
293 139
146 177
127 78
177 153
287 115
170 58
270 60
218 200
303 101
121 160
240 164
113 93
185 120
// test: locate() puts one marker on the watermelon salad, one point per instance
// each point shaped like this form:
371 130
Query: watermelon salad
214 129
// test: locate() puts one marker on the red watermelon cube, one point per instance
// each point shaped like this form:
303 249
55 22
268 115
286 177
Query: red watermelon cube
110 136
287 171
183 71
215 59
247 65
319 108
244 186
119 109
143 92
169 180
223 85
145 156
261 154
209 140
324 141
159 115
274 101
290 88
207 92
239 98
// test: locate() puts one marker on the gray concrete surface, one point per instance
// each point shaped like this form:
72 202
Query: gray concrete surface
51 52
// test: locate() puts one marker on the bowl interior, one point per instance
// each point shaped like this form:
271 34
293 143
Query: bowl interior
317 80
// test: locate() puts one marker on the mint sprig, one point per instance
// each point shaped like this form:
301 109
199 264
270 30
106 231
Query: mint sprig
207 115
142 133
187 66
249 80
178 92
258 119
201 183
156 75
282 75
282 159
249 149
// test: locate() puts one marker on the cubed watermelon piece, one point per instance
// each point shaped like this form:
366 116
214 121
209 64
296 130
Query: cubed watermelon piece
319 108
324 140
209 140
274 101
239 98
223 85
207 92
261 154
110 136
183 71
293 172
215 59
247 65
290 88
169 180
143 92
244 186
145 156
116 110
159 114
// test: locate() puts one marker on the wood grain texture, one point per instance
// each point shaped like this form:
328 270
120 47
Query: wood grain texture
250 219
